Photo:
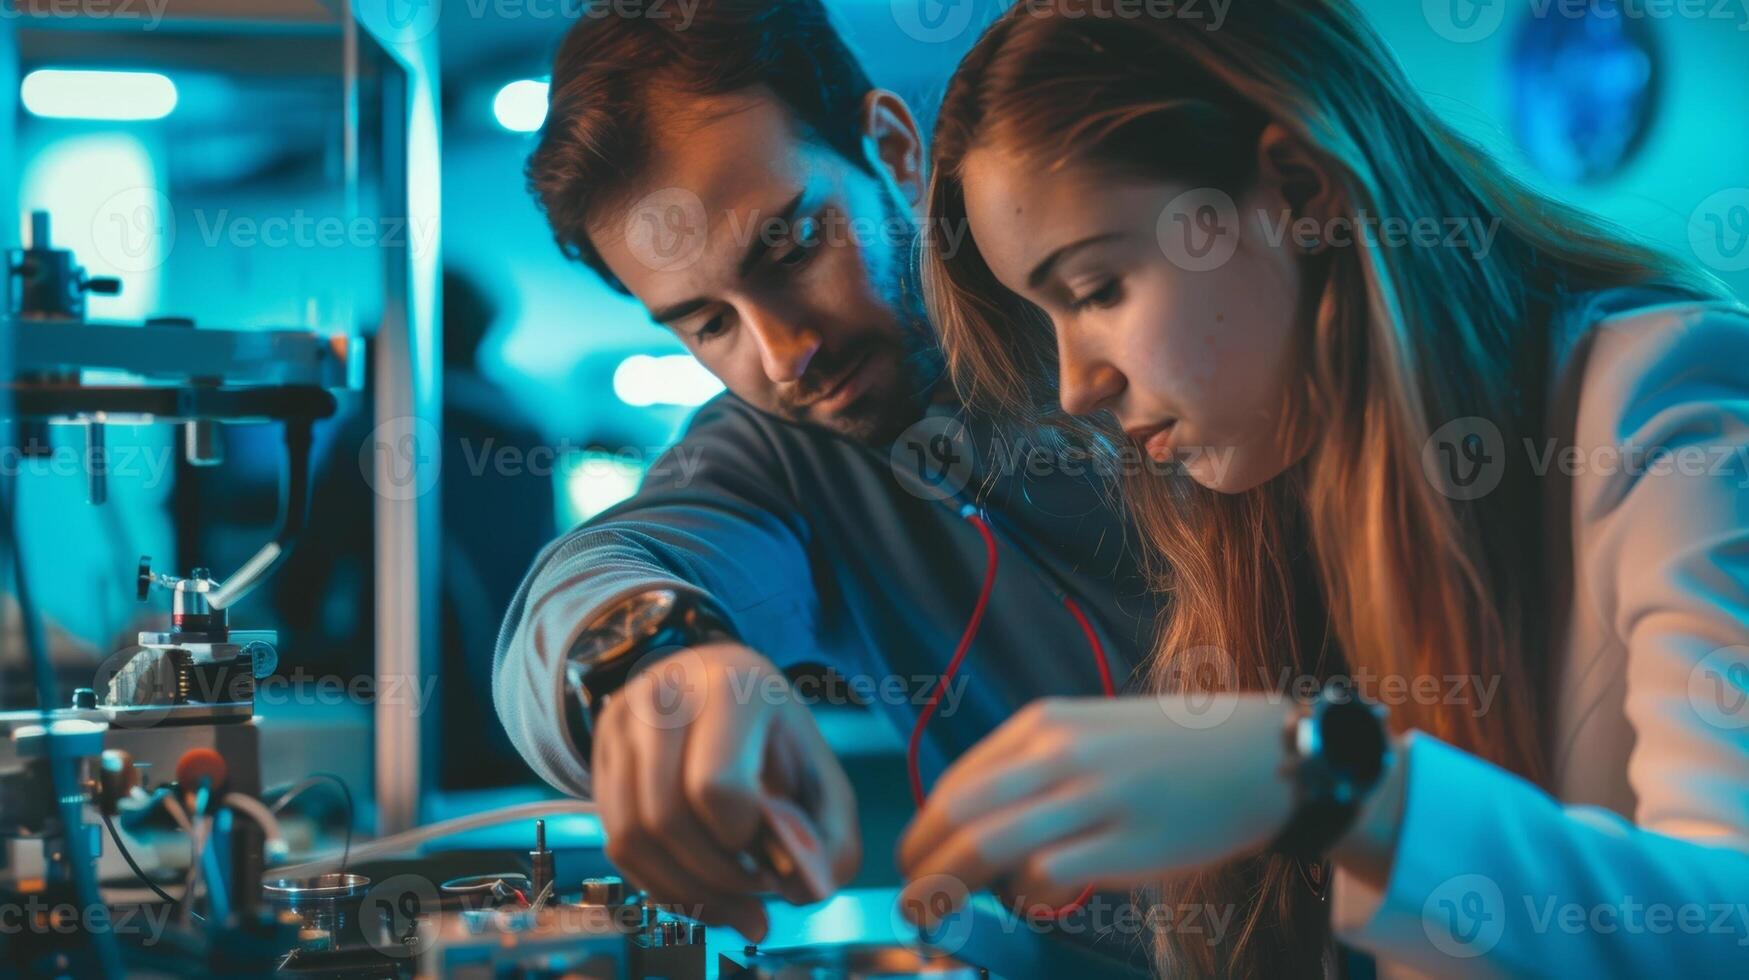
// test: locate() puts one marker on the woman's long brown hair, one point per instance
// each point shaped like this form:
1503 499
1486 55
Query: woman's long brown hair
1355 559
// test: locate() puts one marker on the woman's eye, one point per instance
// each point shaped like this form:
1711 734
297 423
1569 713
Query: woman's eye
1105 296
709 330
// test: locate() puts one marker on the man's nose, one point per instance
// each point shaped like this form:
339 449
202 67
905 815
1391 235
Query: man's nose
1086 381
785 347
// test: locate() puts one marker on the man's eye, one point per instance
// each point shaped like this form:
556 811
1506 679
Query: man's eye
806 238
1105 296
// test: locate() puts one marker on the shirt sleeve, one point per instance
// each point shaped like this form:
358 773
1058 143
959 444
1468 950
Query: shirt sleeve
712 518
1494 877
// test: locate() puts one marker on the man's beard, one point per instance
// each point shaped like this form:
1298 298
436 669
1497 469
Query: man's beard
880 416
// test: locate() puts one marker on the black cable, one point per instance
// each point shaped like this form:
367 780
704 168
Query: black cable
305 784
133 865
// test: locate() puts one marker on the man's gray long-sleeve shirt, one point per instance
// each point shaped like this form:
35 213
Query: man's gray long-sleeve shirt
825 551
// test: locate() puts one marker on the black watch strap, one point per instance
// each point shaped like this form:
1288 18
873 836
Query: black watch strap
1337 749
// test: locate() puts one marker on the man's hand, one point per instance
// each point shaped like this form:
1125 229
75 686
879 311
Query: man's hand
682 756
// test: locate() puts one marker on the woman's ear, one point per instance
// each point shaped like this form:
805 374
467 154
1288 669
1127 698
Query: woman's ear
892 143
1286 165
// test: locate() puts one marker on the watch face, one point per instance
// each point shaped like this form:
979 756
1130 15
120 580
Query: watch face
622 627
646 615
1354 742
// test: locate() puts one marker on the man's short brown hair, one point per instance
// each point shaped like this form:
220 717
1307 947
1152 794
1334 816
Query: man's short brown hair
597 132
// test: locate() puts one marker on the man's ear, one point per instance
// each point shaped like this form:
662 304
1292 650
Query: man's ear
1304 182
891 142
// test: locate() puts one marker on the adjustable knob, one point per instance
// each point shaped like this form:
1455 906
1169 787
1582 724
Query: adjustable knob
609 891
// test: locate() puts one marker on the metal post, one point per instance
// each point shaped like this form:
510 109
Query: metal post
406 443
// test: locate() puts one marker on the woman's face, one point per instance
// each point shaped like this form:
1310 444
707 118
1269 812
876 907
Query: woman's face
1170 310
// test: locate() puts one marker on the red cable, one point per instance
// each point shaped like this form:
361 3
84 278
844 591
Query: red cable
953 665
914 747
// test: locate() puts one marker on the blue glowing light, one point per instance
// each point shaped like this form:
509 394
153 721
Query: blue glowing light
675 379
117 96
521 106
594 482
1585 87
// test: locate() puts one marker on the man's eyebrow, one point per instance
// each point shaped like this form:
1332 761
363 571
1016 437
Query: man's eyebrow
1043 269
760 245
755 251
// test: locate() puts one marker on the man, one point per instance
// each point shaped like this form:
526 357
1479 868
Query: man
744 180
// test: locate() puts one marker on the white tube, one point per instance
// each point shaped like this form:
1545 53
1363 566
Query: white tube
258 810
408 840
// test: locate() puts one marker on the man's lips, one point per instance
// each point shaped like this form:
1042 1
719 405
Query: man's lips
840 390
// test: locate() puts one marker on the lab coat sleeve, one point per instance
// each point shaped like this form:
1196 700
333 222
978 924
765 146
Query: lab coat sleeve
714 517
1494 877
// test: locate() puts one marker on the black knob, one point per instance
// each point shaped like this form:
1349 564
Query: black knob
84 697
143 583
103 285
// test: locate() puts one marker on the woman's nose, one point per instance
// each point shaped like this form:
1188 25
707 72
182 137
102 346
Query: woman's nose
1086 383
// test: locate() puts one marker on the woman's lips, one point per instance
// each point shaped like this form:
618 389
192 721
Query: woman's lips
1155 440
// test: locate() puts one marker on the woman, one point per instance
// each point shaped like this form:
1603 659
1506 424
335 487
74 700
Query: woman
1399 459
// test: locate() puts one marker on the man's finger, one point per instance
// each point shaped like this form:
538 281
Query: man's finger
835 815
670 816
724 754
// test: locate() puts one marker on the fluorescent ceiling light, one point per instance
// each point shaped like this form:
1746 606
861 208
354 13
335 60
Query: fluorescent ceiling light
521 106
119 96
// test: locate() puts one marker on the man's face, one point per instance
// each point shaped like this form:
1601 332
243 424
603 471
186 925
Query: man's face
778 262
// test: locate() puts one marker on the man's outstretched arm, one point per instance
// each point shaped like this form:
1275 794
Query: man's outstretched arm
680 757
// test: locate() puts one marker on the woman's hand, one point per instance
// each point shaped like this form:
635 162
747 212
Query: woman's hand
1115 793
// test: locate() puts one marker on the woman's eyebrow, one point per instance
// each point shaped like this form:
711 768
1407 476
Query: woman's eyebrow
1040 272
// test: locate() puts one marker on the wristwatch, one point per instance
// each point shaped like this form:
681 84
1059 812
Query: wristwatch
627 632
1337 748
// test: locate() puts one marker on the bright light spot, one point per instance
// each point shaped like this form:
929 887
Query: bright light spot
597 481
674 379
521 106
124 96
100 190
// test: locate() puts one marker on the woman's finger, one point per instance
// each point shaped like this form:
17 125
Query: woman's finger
974 795
1057 874
979 852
